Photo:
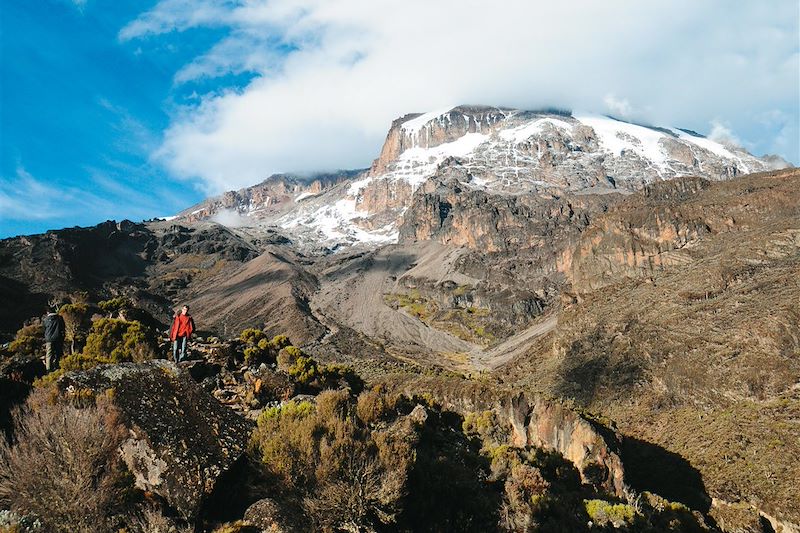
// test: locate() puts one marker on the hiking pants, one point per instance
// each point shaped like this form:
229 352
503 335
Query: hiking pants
179 343
53 352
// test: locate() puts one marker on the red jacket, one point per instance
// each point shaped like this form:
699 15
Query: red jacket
182 326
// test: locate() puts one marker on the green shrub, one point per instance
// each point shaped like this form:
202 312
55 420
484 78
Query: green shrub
112 341
29 340
280 341
252 336
260 349
304 370
115 305
602 512
312 376
287 357
346 476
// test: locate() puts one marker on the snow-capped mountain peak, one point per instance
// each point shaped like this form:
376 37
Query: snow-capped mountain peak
502 151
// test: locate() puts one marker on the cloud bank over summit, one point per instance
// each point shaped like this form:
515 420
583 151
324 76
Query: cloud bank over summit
306 85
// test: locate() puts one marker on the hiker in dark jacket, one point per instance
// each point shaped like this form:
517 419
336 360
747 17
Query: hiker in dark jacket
54 332
182 329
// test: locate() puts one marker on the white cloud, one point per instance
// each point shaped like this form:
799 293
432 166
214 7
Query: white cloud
619 107
722 134
23 197
231 218
349 67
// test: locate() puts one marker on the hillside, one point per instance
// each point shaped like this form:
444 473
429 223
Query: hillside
684 328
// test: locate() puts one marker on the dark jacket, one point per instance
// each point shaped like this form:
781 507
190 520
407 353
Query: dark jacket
54 328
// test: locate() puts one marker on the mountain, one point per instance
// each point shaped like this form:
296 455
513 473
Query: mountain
644 279
499 151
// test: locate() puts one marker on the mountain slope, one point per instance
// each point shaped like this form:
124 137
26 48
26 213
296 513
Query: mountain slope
684 328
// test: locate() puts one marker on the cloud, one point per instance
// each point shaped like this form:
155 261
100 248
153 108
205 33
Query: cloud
25 197
722 134
620 108
329 76
231 218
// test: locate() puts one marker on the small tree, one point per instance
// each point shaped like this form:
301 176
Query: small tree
76 317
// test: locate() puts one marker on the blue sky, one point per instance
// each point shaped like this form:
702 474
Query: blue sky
81 114
135 109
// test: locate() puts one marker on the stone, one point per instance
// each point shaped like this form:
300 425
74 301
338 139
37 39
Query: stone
267 515
181 439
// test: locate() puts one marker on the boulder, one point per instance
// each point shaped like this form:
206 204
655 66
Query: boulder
267 515
181 439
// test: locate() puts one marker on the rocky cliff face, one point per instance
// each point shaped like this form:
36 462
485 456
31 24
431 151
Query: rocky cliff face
448 210
272 197
553 427
664 225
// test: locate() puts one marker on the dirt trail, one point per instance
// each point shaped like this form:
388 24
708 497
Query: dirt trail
513 346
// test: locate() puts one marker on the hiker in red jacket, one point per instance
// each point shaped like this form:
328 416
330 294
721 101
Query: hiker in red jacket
182 328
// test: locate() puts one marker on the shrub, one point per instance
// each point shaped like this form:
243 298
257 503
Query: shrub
113 341
371 406
602 512
280 341
260 349
151 521
64 467
29 340
346 476
237 527
115 305
252 336
76 317
287 357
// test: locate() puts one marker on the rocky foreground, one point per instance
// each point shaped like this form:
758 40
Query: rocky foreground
151 449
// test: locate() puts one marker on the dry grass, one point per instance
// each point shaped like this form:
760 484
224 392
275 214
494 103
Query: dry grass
64 466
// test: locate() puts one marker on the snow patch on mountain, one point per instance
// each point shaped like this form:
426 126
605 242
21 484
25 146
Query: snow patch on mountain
336 223
417 164
616 137
416 124
526 131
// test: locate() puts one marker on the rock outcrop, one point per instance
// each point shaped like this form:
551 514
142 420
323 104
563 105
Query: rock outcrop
662 226
181 439
551 426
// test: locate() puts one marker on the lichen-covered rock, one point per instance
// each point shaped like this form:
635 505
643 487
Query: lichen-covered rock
181 439
267 515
